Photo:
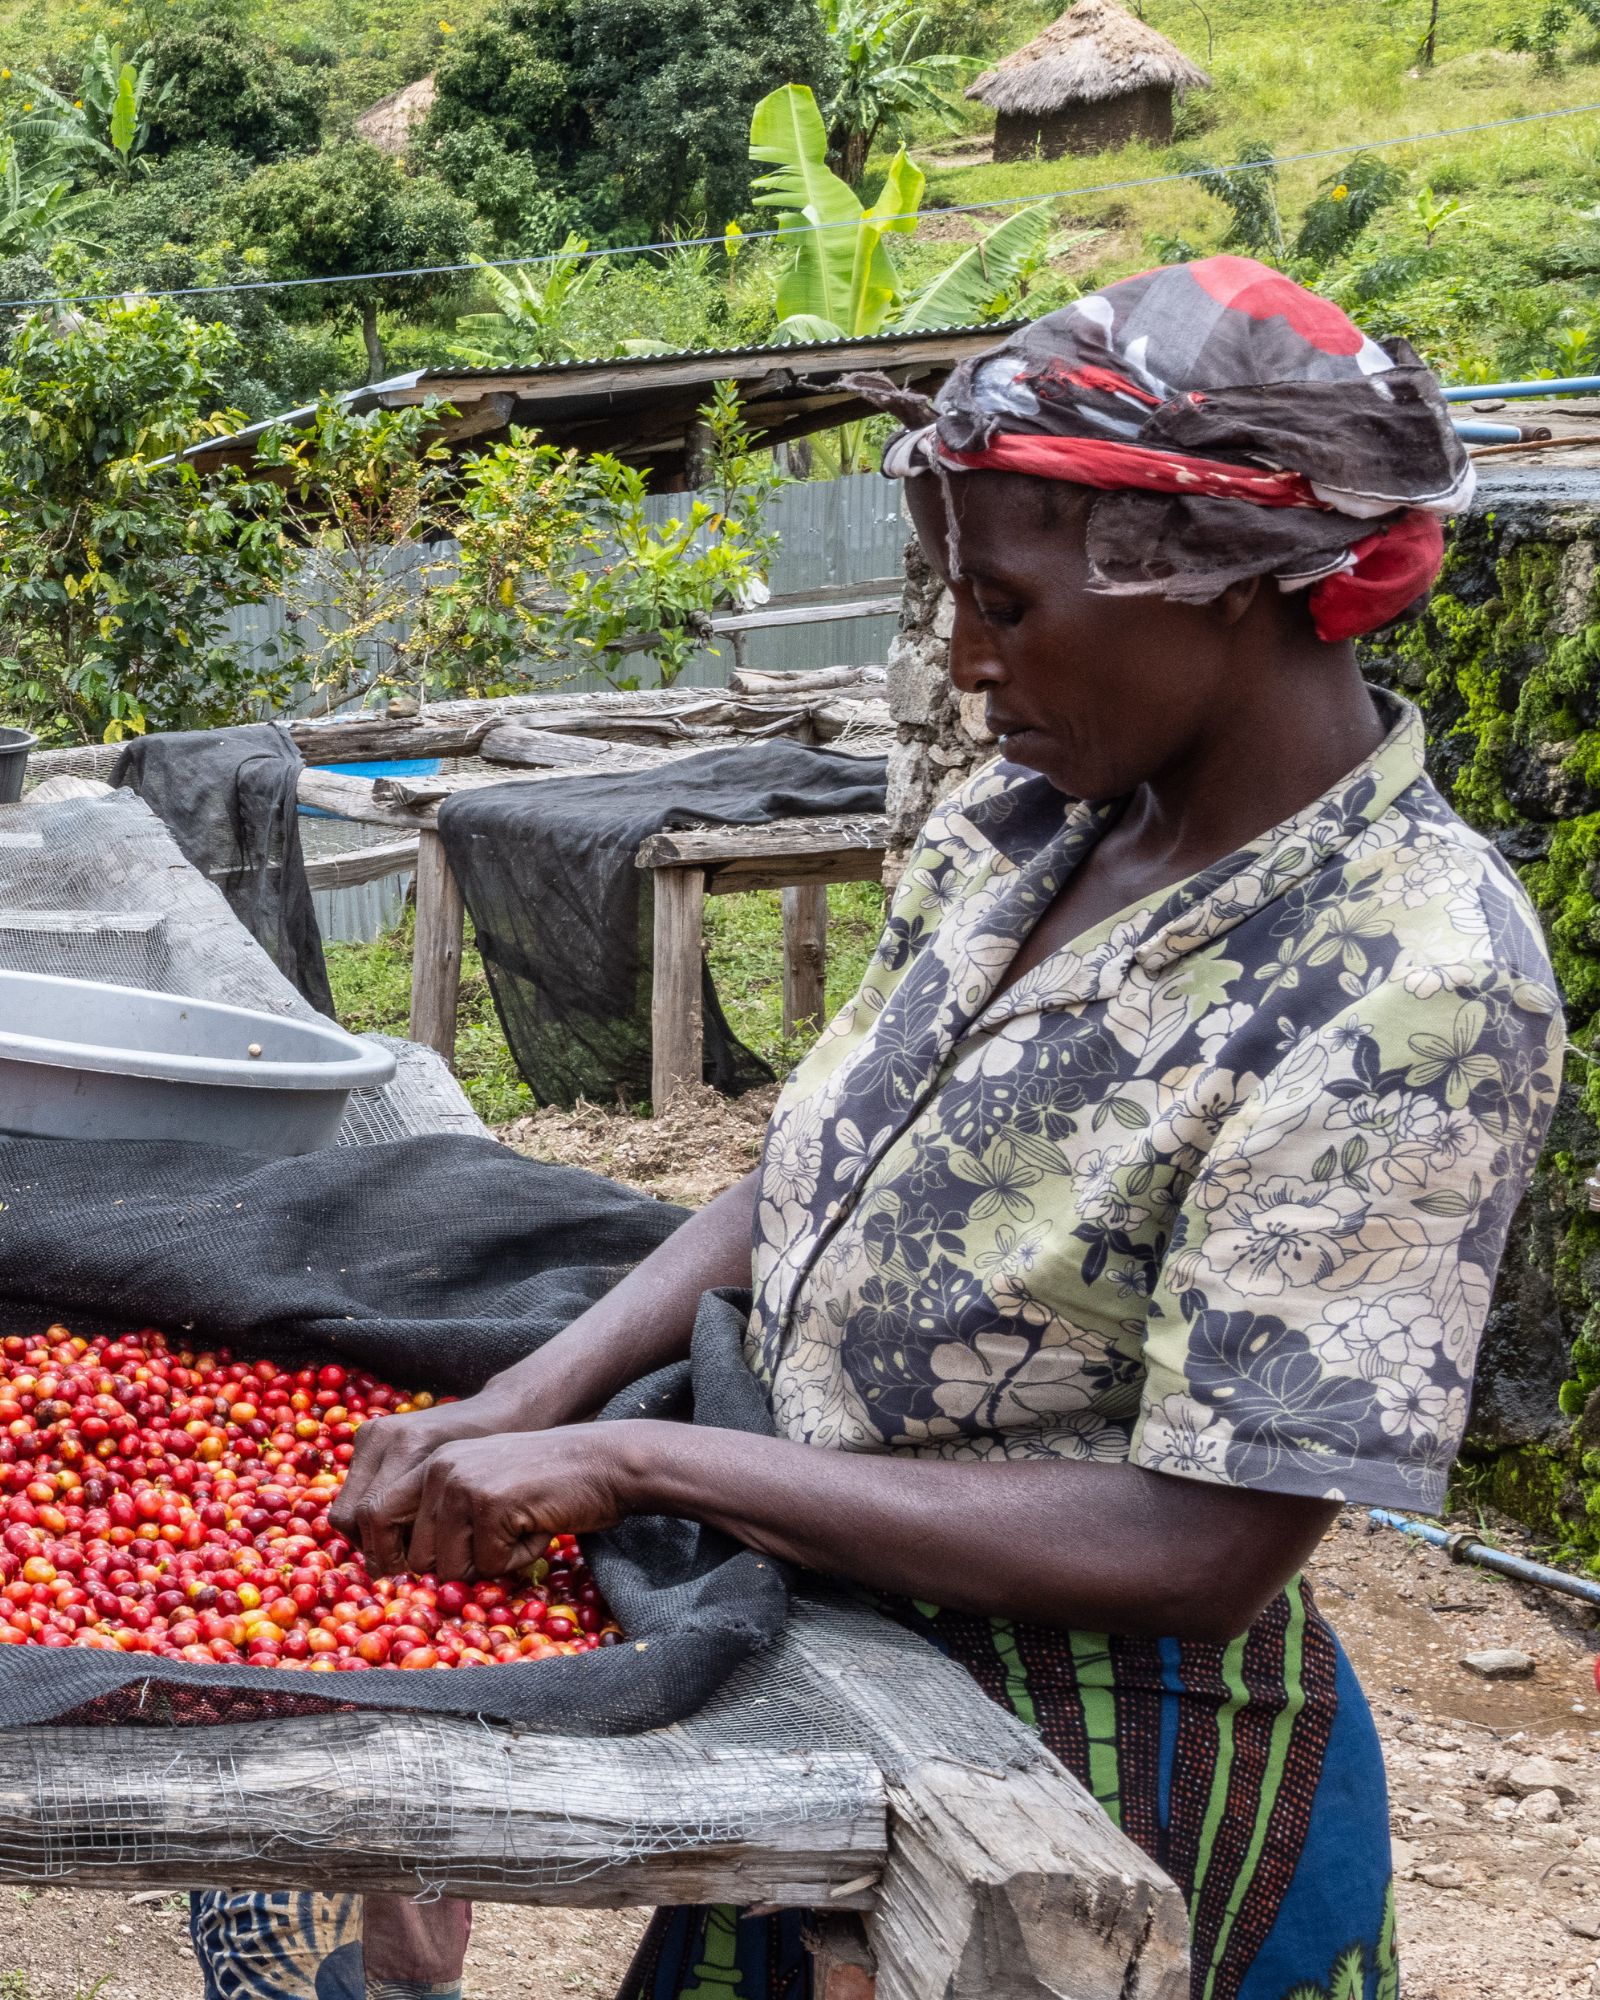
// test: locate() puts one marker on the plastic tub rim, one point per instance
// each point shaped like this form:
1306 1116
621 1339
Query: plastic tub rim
360 1065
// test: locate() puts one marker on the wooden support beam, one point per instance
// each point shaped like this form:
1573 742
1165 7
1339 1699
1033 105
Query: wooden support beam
805 956
358 865
436 960
355 1807
677 1030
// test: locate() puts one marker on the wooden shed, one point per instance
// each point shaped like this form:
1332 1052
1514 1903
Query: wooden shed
1094 79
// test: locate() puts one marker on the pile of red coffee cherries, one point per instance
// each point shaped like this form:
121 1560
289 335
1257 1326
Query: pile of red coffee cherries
157 1500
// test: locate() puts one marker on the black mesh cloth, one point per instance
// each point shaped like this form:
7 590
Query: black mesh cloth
433 1262
564 917
228 797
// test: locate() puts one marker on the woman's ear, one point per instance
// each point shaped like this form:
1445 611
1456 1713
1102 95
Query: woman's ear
1236 601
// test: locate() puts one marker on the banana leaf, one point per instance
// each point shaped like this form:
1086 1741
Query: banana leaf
841 269
961 295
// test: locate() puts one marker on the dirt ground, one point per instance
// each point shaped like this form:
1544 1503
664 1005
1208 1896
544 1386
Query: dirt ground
1494 1785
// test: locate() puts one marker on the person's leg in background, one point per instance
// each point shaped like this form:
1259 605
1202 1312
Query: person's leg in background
285 1945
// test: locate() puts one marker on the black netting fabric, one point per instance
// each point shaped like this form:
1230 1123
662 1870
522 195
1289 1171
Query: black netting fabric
563 916
434 1262
228 797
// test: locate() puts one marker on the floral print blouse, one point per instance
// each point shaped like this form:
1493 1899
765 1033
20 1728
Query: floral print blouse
1220 1187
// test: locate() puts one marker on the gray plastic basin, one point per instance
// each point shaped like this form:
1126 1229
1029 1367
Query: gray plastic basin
82 1060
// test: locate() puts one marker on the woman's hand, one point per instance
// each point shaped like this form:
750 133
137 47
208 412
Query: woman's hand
487 1506
378 1498
641 1325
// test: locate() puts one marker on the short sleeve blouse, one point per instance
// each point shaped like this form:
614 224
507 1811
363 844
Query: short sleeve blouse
1219 1188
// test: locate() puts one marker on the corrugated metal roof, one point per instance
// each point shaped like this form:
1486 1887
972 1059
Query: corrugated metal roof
792 353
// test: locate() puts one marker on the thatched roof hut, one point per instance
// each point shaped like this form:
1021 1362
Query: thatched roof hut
392 122
1095 78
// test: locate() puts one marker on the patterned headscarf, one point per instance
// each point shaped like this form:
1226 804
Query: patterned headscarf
1238 425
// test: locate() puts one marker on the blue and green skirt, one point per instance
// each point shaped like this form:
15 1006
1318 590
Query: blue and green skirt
1250 1772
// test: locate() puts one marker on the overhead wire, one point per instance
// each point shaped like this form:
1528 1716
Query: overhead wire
668 244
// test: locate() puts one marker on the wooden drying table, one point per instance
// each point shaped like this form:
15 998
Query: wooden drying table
800 857
981 1869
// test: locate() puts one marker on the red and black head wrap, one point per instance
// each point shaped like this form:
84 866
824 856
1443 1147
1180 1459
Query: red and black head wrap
1237 425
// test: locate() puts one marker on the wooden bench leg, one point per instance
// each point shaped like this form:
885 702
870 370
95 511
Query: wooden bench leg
677 1031
436 962
805 956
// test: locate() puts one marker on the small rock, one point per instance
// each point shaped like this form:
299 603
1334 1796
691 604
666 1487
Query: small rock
1585 1926
1440 1875
1541 1806
1402 1854
1523 1775
1499 1663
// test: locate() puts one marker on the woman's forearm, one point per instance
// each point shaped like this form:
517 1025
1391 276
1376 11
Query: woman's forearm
1103 1548
640 1325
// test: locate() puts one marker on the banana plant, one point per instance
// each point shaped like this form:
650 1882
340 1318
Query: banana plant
841 279
534 306
841 282
37 206
108 125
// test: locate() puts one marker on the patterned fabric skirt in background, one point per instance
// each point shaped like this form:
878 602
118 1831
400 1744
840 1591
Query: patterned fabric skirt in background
1251 1772
286 1945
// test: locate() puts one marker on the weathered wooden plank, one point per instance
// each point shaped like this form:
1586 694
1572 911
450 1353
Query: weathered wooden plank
436 957
743 878
66 785
1004 1876
362 864
526 748
812 681
355 798
805 955
771 617
781 840
677 1034
398 1803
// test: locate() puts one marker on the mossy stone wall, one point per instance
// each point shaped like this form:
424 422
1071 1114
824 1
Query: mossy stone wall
1505 666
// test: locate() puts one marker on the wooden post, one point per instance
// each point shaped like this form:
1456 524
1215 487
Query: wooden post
436 964
677 1031
805 955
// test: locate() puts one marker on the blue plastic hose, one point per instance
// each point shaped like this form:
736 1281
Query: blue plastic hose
1488 392
1482 433
1467 1548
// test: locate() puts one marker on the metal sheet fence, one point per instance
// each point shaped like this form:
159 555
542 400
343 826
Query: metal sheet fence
837 531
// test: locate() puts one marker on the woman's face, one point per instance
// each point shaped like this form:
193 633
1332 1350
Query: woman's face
1100 693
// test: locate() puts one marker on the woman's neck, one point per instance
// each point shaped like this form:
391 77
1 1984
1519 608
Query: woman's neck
1279 747
1294 731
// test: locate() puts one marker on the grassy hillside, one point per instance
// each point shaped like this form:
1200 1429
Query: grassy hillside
1486 254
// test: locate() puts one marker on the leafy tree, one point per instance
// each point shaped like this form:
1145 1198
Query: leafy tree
672 84
513 73
1344 203
360 489
841 278
217 84
352 208
510 194
634 108
37 205
491 625
118 561
882 80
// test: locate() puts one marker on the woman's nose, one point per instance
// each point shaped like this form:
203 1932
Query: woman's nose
973 662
